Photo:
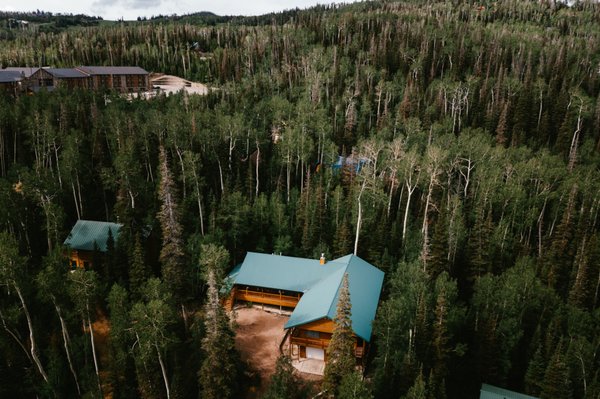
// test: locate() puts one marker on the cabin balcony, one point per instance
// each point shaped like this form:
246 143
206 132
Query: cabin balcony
281 299
321 343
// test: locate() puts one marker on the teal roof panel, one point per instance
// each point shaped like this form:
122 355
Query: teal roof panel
282 272
365 282
492 392
88 233
317 302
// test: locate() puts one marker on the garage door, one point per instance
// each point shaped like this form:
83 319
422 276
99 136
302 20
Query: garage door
315 353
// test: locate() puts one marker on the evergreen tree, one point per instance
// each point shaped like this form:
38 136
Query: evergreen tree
138 271
219 374
556 378
340 353
419 388
534 378
284 383
342 241
172 256
353 387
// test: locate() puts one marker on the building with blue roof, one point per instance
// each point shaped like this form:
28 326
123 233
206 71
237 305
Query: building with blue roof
309 288
88 237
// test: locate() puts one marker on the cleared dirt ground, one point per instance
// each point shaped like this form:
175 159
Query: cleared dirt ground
258 336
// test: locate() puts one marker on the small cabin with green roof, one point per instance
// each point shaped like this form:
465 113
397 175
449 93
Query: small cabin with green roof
88 237
309 289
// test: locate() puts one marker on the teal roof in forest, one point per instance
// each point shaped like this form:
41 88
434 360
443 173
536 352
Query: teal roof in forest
492 392
319 284
86 233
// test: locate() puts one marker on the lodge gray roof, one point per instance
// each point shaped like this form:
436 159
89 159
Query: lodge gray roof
26 71
112 70
65 73
10 76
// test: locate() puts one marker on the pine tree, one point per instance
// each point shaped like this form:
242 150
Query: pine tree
172 258
558 260
438 254
419 388
353 387
284 384
138 271
342 242
534 376
340 353
556 378
219 374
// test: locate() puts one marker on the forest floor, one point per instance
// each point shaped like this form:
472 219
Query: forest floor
258 336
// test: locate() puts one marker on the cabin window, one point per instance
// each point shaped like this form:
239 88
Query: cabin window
313 334
73 264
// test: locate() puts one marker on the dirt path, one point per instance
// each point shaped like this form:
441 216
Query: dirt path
258 336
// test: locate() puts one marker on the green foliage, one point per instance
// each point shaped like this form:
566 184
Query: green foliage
418 390
340 352
152 319
476 129
353 386
138 270
284 383
219 376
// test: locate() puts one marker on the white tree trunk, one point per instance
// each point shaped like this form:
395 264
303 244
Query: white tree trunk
66 340
89 322
359 217
199 199
257 161
164 373
221 175
33 347
409 195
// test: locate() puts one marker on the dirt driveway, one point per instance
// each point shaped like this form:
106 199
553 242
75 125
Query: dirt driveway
258 336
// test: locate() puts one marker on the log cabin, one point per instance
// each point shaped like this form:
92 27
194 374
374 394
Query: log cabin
86 239
308 288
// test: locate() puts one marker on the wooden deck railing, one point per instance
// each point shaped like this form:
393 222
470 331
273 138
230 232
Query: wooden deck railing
312 342
267 298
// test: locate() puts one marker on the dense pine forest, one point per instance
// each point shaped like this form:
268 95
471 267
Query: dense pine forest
470 141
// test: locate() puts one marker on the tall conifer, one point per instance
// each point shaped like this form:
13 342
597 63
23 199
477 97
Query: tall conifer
171 253
340 352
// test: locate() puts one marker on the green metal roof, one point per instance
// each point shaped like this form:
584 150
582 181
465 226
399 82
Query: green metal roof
86 233
492 392
319 284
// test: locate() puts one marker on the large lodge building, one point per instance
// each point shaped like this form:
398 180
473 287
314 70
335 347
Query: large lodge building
309 288
124 79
